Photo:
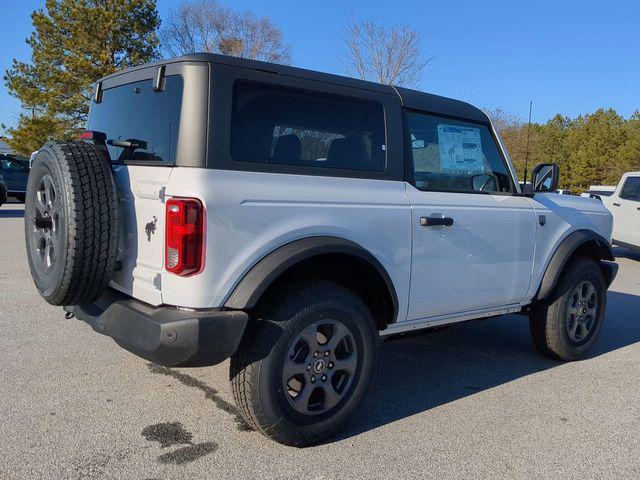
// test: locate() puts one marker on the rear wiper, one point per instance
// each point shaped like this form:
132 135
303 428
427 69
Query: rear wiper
131 143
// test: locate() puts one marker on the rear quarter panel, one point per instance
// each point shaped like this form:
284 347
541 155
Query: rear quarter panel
250 214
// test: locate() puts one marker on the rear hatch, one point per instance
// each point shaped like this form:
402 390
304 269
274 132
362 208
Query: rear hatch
141 223
141 119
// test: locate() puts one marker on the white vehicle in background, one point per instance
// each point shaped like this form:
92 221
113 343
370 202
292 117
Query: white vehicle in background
624 204
597 191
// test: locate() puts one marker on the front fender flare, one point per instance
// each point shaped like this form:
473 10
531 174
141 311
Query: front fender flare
255 282
562 254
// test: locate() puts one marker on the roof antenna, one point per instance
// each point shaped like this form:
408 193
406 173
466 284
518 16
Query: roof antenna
526 155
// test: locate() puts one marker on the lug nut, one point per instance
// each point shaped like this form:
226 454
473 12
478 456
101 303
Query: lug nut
326 354
324 378
313 379
315 354
330 365
308 366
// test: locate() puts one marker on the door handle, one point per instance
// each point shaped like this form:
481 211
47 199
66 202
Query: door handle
616 204
436 221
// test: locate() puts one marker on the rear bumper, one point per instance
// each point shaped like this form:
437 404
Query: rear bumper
165 335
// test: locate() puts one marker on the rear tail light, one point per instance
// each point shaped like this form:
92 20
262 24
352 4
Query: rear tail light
184 239
93 135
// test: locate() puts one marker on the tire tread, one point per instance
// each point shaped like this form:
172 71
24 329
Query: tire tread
547 319
245 365
92 222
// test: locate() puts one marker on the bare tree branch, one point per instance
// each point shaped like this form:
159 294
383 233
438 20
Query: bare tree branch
390 56
208 26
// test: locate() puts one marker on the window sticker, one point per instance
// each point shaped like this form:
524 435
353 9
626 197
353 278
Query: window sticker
460 149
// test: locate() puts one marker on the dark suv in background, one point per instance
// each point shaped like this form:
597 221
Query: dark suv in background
3 190
15 171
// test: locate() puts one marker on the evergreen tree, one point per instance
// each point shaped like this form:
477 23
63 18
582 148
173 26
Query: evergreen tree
596 148
551 147
630 151
593 144
74 43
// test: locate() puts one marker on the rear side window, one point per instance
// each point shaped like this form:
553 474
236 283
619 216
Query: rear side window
455 156
284 126
140 124
631 189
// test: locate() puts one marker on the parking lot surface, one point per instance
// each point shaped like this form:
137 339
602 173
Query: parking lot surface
470 401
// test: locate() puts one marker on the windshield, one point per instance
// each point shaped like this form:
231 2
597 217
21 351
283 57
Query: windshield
15 164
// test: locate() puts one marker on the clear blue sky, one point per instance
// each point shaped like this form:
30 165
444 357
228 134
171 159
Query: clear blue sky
570 57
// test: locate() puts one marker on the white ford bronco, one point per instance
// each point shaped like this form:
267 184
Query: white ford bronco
288 219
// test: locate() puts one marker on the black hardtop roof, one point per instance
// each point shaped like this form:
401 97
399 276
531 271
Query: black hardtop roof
412 99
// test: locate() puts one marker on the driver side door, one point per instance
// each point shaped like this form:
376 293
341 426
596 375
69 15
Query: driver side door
473 240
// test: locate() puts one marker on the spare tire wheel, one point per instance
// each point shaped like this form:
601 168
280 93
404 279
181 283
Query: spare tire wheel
71 221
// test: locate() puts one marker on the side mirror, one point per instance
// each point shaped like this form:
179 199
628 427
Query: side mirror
545 177
484 182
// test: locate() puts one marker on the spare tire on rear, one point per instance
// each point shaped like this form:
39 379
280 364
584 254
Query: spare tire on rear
71 222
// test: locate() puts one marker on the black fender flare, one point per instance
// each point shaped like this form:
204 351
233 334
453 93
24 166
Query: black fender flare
561 256
255 282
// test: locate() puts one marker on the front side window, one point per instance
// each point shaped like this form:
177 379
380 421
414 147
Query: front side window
631 189
285 126
455 156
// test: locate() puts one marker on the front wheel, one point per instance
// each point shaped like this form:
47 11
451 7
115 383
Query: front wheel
568 325
305 364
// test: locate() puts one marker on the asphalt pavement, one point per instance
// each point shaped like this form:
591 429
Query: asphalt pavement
471 401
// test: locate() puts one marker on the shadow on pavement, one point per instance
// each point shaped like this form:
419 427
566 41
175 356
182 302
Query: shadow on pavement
417 373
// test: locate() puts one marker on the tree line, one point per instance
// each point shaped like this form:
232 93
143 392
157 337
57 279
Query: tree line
74 42
592 149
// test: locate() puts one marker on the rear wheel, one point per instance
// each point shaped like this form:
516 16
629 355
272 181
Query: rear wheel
568 325
305 364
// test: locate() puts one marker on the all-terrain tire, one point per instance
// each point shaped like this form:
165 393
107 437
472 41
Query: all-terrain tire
71 223
257 368
553 322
